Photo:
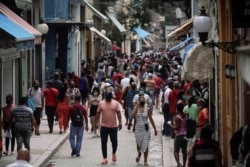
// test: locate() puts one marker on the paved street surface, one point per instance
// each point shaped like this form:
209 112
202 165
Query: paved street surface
91 154
55 148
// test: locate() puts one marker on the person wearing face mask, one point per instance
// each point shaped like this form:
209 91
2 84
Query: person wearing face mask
37 94
132 91
93 102
5 122
109 111
142 114
50 94
72 92
203 115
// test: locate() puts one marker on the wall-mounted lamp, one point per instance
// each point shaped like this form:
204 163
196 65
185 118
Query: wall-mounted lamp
230 71
202 24
42 27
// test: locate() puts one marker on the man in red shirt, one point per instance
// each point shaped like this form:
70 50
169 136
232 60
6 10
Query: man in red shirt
50 95
158 83
116 75
78 115
172 99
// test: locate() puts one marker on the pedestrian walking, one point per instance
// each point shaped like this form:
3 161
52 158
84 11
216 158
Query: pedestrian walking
79 122
179 127
63 108
24 123
22 159
93 102
72 92
142 130
203 115
36 93
5 122
206 151
50 95
109 109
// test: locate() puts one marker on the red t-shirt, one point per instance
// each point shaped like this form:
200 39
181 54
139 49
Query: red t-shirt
51 95
72 110
158 81
172 99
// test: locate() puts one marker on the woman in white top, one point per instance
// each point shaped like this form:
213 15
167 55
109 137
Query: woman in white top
93 102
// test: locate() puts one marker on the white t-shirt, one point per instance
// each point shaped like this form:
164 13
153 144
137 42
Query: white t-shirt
166 94
19 163
147 98
125 83
37 96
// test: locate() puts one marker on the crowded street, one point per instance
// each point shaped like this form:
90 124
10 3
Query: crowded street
54 149
126 83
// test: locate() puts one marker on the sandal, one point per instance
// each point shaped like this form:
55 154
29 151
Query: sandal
104 161
5 153
145 163
114 158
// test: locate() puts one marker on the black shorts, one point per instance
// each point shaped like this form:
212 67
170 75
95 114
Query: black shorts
93 109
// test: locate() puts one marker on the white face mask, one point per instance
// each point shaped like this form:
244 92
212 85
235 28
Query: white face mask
202 87
95 93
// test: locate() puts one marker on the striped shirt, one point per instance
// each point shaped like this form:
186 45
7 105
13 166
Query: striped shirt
22 118
131 95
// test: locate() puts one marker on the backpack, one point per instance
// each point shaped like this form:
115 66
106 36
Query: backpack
77 117
190 127
235 143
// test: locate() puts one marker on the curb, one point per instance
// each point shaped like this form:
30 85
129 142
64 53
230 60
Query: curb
51 150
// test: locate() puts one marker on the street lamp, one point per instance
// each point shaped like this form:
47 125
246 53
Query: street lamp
42 27
230 71
202 24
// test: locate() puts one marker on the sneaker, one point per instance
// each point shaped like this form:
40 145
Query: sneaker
73 152
12 152
114 158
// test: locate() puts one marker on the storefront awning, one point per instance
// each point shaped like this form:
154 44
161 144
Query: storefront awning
142 33
181 45
198 64
23 40
18 20
120 27
182 29
93 29
99 14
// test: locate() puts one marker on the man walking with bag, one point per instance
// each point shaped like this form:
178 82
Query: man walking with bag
77 115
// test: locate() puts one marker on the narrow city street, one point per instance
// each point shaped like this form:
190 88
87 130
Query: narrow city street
91 154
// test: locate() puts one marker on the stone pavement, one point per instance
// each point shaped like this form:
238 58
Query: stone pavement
42 147
55 148
126 153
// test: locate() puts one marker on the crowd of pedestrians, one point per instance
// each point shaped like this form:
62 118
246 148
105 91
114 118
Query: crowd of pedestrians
139 85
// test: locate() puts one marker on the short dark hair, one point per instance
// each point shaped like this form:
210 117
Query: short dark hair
96 89
23 101
180 107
